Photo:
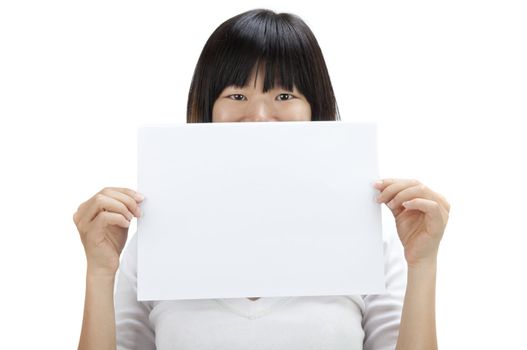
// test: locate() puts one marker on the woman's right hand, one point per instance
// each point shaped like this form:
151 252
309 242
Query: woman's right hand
102 222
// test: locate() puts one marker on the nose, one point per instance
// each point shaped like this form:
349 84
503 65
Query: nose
260 111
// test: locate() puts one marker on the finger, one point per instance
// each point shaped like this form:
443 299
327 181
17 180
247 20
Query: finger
87 211
427 206
389 191
383 183
445 204
127 200
101 202
134 194
418 191
121 194
107 218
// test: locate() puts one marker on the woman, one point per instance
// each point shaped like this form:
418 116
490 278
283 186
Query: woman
263 66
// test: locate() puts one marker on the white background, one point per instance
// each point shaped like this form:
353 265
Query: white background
446 80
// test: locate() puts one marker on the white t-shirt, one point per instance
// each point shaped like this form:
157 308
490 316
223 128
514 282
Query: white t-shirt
353 322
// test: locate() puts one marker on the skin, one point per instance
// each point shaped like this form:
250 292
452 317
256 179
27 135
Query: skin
420 214
250 104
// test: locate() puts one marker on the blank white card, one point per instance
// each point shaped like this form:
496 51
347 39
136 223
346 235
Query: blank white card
264 209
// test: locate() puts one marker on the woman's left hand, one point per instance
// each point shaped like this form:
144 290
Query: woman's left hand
420 215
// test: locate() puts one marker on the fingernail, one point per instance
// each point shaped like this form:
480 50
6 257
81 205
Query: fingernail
391 204
139 197
377 183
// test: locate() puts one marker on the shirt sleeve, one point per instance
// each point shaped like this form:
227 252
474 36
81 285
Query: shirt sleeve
133 327
382 313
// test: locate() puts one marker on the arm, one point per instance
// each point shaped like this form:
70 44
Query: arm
421 216
418 326
102 222
98 325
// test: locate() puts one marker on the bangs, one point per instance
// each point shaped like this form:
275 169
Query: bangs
261 41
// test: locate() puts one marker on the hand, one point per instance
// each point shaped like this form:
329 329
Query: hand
420 215
102 222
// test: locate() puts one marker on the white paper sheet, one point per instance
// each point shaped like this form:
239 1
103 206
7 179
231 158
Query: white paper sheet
262 209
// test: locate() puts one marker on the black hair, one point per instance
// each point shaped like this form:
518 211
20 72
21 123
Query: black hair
280 42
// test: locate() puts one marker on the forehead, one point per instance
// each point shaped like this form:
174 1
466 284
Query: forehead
257 79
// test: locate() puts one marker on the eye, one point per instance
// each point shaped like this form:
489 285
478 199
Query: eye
237 97
284 97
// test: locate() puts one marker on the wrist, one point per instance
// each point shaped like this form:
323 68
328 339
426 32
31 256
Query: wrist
427 264
424 262
423 272
97 273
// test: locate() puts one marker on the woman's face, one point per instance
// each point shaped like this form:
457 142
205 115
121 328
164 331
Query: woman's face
250 104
